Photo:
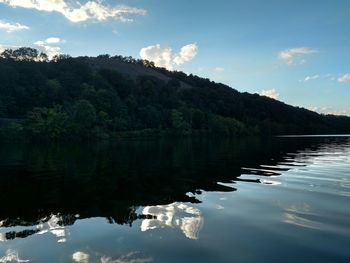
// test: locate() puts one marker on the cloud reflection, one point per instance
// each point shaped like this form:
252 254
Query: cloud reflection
188 219
80 257
12 256
298 215
132 257
54 226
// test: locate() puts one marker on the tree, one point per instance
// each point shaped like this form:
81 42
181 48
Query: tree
43 57
90 96
109 101
54 90
179 124
150 116
61 57
84 116
48 122
23 54
198 119
26 54
7 54
103 119
2 108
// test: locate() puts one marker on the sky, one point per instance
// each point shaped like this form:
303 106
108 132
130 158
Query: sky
295 51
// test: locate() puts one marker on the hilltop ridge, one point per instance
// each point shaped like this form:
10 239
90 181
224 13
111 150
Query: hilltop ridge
106 96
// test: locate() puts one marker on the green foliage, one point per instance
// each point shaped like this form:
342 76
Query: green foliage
226 126
53 91
198 119
13 131
103 119
23 54
89 93
48 122
84 116
180 125
150 116
109 101
88 98
2 108
119 124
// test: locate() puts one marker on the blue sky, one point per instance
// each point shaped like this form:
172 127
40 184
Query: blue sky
296 51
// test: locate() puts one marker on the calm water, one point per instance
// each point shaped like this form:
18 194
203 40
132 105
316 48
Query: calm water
247 200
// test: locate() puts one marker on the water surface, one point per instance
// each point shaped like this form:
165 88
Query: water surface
191 200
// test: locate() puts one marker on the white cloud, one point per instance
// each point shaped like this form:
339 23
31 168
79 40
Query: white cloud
77 12
307 78
3 47
42 45
186 53
219 69
46 47
344 78
52 40
331 110
39 43
293 56
160 56
163 57
12 27
272 93
51 51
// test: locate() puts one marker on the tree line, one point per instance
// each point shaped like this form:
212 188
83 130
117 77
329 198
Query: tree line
67 98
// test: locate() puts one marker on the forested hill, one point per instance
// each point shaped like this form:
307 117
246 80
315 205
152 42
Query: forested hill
106 96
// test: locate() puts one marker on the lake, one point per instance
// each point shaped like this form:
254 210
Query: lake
283 199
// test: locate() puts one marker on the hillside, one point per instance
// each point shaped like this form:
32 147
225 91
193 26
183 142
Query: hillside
105 96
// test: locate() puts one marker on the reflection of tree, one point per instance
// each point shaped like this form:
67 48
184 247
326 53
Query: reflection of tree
112 181
19 234
54 224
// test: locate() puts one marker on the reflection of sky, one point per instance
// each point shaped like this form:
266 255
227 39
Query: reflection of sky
188 219
327 171
80 257
310 199
132 257
12 256
326 174
51 226
297 215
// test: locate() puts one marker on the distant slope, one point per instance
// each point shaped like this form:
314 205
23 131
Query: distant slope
107 96
131 69
246 107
